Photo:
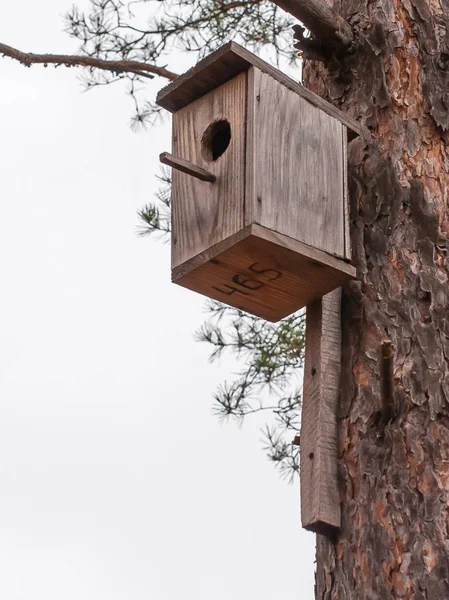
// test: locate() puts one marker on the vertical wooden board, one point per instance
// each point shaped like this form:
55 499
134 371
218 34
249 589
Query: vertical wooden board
204 213
250 173
346 195
299 167
320 500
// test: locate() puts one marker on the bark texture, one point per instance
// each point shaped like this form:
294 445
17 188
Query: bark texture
394 472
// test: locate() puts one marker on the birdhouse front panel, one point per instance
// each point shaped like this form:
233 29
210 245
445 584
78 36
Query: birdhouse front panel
209 132
259 201
298 167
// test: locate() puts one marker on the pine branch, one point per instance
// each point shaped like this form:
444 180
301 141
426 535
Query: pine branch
284 455
110 30
114 66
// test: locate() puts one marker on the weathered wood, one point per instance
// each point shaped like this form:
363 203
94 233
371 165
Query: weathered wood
250 152
347 233
299 169
204 214
320 18
186 167
279 177
224 64
320 499
263 272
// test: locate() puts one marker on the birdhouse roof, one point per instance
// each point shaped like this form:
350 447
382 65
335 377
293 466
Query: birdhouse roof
224 64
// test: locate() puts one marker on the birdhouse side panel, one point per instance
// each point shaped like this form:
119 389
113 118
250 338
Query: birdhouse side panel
298 167
209 132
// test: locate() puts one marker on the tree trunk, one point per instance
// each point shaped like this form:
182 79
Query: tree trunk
394 541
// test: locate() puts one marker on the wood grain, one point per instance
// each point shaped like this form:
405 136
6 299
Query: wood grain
299 171
224 64
263 273
320 500
250 150
186 167
203 214
347 235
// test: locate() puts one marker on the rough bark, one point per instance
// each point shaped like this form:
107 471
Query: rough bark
320 18
394 542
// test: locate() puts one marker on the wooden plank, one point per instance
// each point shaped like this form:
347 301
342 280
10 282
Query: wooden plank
299 168
263 273
320 498
215 69
186 167
250 162
312 254
224 64
203 214
346 217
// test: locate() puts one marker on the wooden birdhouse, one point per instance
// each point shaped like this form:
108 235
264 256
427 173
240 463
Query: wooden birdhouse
259 191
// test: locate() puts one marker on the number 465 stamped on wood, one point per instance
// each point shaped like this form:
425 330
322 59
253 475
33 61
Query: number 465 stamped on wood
242 284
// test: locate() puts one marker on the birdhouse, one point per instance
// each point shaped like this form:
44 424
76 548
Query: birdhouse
259 186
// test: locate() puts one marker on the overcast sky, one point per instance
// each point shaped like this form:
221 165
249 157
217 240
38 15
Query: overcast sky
116 481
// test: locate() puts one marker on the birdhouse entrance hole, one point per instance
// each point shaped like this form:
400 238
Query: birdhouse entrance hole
215 140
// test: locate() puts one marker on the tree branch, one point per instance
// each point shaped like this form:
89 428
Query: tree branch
323 21
115 66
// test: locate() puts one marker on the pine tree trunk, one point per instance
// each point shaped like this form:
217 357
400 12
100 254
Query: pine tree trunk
394 541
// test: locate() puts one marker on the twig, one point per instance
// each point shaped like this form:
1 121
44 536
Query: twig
387 381
115 66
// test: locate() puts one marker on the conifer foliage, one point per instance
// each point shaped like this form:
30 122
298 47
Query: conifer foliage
145 31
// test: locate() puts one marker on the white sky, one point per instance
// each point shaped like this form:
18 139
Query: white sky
116 481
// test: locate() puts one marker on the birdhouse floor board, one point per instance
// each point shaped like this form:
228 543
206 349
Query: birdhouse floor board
263 273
